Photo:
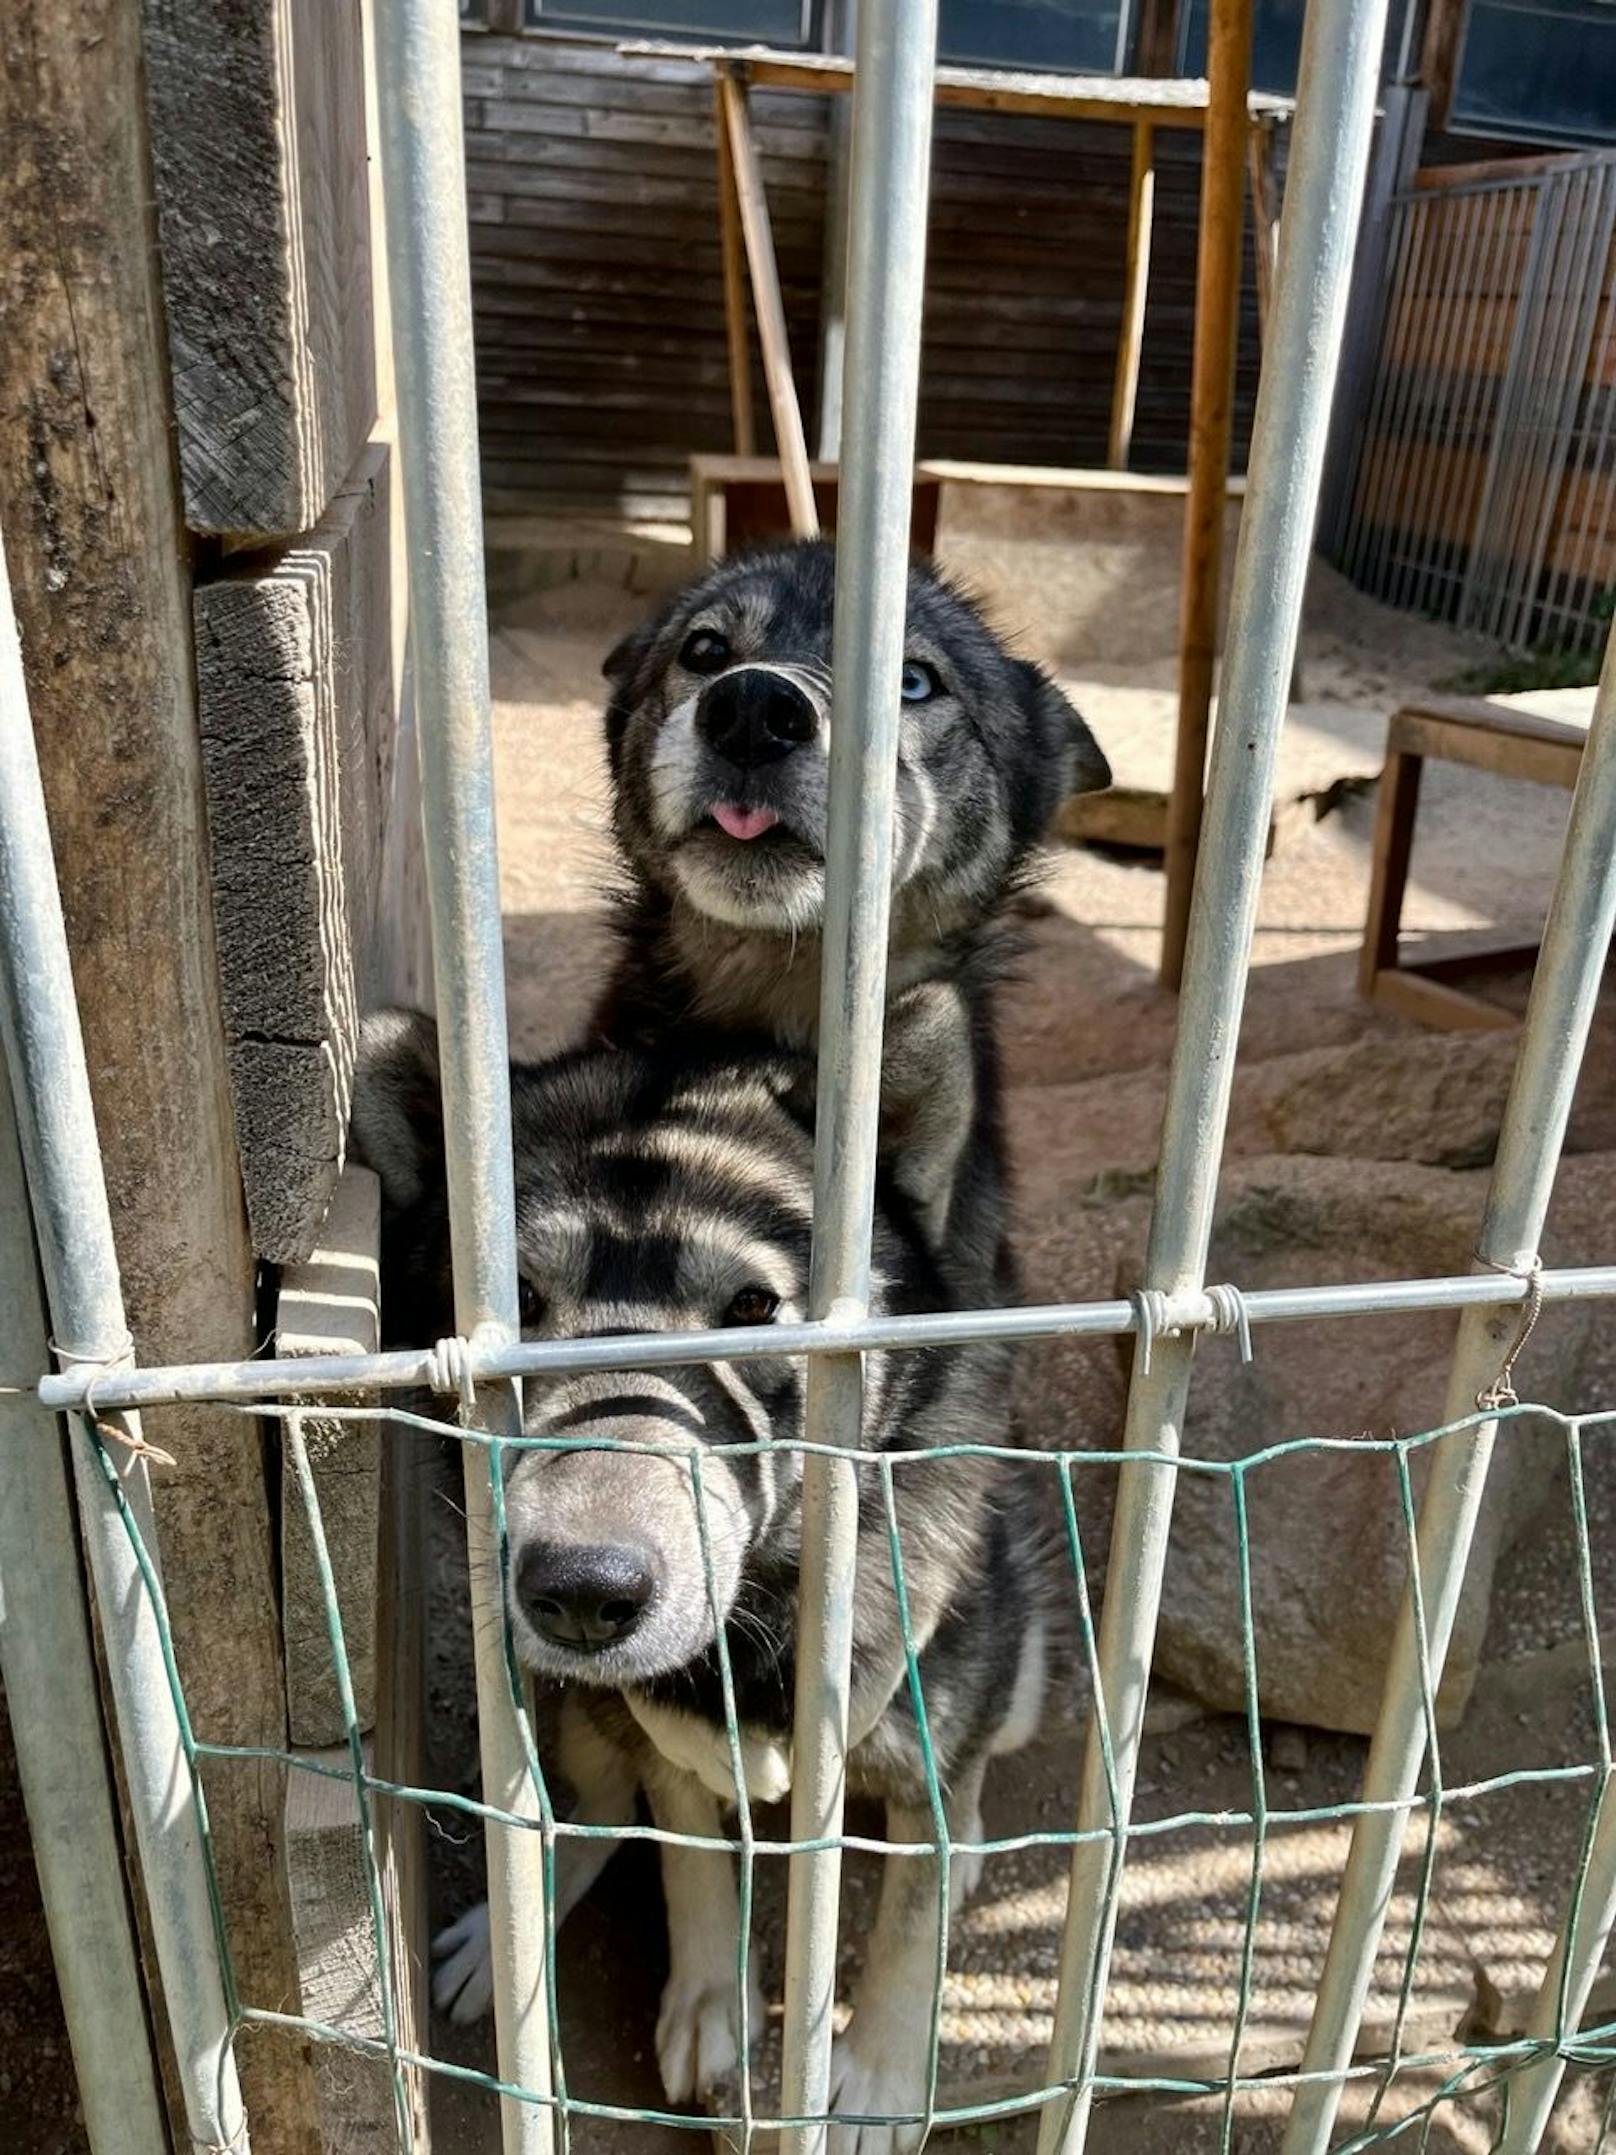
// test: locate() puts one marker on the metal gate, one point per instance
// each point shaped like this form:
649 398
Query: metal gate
101 1394
1483 486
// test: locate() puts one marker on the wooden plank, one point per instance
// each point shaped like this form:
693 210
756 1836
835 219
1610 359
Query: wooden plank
1432 1002
1397 805
295 680
328 1304
1217 320
1136 293
769 308
98 563
1118 98
262 199
738 342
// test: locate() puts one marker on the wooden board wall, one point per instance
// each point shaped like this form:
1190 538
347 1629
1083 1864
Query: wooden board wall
599 302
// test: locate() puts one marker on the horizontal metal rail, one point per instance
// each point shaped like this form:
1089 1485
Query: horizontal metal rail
424 1368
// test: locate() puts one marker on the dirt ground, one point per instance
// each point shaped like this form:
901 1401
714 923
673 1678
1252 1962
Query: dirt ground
1088 1031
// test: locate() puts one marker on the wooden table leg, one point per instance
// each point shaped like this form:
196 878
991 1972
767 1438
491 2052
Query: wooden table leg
1389 861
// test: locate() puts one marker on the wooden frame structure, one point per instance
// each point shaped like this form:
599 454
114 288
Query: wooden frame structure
1239 128
1512 742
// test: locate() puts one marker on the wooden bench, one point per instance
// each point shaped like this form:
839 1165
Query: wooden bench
1528 737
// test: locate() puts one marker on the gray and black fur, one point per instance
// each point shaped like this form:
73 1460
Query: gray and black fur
663 1194
717 731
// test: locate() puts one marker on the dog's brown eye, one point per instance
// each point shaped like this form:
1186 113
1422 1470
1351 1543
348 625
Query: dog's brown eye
920 682
530 1303
753 1305
705 651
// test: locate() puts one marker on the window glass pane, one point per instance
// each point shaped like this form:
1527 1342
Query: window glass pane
1071 36
1276 42
1545 69
737 22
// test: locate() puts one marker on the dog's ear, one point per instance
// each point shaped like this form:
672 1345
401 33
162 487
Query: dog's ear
625 655
1068 758
398 1106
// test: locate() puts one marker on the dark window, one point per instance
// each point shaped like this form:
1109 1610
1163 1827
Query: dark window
1544 70
721 22
1083 37
1276 42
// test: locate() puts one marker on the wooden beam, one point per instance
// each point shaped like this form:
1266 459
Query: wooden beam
1439 54
1264 219
729 228
1217 322
769 307
89 502
1135 294
263 214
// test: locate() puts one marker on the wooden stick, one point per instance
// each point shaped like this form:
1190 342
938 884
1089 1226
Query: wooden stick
1217 321
1131 342
740 344
1264 217
769 309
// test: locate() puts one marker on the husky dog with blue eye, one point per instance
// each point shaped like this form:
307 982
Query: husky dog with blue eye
718 737
663 1194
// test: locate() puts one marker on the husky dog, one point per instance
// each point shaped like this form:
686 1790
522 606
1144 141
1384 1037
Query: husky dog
718 737
665 1194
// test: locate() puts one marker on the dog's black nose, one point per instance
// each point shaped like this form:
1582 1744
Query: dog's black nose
581 1596
753 715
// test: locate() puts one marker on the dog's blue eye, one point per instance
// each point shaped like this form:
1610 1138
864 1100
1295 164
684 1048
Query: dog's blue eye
705 651
920 682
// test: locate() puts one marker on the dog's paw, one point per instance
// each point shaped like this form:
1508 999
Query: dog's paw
698 2036
463 1977
889 2086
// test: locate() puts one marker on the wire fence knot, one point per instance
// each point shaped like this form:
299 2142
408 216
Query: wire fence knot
103 1361
1229 1314
1501 1392
448 1369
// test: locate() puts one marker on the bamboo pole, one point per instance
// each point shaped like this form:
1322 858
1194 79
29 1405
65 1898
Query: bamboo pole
729 228
1130 344
1217 321
769 308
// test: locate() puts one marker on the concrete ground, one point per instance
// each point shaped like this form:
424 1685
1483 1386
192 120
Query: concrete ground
1088 1033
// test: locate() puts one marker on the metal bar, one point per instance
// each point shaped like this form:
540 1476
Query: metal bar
418 75
1486 246
768 306
1564 989
1341 49
1437 398
56 1123
1363 485
47 1664
1135 294
890 175
1217 328
408 1369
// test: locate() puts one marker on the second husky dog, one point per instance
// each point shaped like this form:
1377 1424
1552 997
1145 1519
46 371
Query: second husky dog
662 1195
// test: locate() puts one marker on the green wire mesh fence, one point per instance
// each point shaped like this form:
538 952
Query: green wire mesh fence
1463 2069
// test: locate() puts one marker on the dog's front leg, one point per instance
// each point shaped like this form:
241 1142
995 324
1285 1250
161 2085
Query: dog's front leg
699 2027
604 1785
878 2067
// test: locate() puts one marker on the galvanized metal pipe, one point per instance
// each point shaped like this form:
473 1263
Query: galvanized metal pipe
56 1123
418 79
1335 113
409 1369
47 1663
890 174
1564 990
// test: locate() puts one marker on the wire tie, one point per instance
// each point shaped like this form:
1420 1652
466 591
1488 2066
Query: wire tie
448 1369
1150 1320
233 2146
1229 1314
1501 1392
103 1363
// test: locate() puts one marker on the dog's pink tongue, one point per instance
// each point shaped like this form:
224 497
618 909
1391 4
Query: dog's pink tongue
744 823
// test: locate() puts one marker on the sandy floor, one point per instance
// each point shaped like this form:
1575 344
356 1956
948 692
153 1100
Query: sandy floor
1090 1031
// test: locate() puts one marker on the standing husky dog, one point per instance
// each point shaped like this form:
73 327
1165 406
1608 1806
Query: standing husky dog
718 734
663 1195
